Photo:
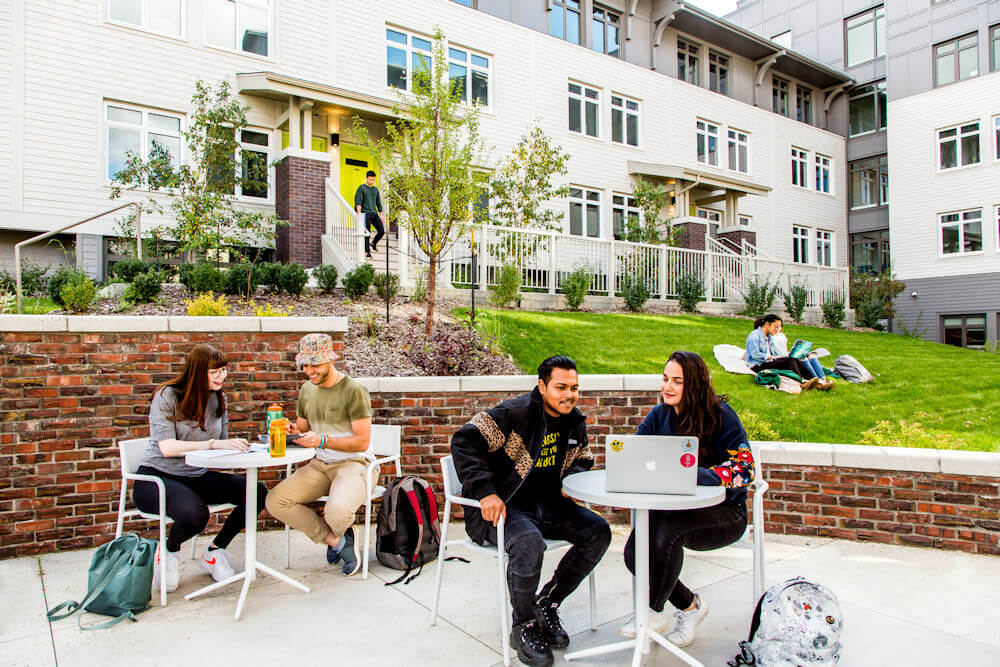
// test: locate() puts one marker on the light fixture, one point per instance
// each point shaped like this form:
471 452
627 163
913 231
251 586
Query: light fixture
913 295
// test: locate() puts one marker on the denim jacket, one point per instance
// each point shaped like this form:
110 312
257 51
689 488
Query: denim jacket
758 347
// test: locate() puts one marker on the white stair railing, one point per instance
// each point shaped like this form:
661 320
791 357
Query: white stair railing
344 224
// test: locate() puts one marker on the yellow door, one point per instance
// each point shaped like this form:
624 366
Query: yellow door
354 164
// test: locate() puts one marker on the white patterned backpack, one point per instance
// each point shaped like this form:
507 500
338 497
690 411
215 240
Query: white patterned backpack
795 624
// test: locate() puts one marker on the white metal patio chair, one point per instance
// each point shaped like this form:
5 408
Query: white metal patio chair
131 457
753 538
451 488
385 448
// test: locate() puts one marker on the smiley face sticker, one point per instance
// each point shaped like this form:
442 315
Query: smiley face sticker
616 446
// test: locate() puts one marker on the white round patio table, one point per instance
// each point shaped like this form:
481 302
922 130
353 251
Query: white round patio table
249 461
590 487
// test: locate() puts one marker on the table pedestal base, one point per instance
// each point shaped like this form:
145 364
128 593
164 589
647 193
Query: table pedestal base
247 579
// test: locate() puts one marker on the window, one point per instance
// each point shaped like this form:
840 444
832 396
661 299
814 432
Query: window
996 227
161 16
687 61
709 214
584 110
956 60
738 150
564 20
961 232
964 330
800 245
784 39
869 182
480 207
469 76
800 166
718 72
584 212
996 138
467 3
623 208
238 25
824 247
708 143
995 48
958 146
822 168
779 96
254 161
870 251
624 121
865 36
140 131
803 104
745 220
868 108
408 60
605 26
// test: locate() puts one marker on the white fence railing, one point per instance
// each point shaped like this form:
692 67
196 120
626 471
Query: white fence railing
345 225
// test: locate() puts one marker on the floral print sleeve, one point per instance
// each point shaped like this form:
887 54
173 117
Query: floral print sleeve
738 471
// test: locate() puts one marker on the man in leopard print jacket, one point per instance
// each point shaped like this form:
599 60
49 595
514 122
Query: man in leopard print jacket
512 459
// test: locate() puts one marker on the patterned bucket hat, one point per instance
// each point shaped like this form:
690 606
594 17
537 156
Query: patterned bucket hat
315 349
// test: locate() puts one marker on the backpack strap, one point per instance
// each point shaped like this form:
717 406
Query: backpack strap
104 577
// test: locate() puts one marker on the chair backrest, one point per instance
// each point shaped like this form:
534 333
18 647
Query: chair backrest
131 453
758 467
449 477
385 439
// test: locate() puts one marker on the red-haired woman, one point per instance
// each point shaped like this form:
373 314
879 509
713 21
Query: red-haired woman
691 407
186 414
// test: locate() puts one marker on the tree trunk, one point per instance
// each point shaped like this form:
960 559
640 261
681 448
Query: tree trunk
431 289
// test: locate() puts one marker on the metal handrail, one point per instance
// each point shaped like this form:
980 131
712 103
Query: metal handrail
42 237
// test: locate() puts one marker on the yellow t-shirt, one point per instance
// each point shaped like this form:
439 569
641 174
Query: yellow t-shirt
330 411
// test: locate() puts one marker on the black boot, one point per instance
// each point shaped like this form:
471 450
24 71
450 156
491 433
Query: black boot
531 647
552 630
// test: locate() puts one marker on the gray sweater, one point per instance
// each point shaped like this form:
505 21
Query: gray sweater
162 427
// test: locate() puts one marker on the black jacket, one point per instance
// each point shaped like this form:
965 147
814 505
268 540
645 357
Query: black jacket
496 450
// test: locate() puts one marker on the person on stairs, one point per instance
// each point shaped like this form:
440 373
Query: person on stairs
368 200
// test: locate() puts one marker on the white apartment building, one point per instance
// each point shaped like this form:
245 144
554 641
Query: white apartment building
678 96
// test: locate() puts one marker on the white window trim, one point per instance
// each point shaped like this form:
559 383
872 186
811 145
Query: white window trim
996 226
744 216
145 14
874 20
409 50
488 108
995 137
582 96
144 130
874 95
797 239
718 142
737 142
272 180
709 212
728 67
583 199
961 235
271 38
817 157
833 247
958 146
623 207
804 157
625 114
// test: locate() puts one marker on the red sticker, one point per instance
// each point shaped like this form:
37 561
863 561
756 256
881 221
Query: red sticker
687 460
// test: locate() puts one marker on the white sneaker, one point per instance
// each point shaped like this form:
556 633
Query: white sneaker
658 622
173 570
215 563
683 632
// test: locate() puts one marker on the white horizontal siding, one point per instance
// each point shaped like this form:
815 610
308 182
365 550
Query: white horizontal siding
6 84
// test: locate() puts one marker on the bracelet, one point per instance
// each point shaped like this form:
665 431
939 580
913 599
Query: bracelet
322 442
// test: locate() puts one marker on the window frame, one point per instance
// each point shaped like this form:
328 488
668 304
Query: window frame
740 217
564 9
745 144
584 99
720 63
993 35
712 216
996 138
878 167
877 91
623 109
881 240
824 244
804 94
876 14
800 168
965 326
144 132
471 67
585 201
823 162
960 134
627 207
996 227
143 25
703 129
269 153
801 237
237 8
960 223
779 95
409 50
607 24
956 42
692 52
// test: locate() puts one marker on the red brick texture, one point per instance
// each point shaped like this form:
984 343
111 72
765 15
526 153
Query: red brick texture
693 236
301 200
737 236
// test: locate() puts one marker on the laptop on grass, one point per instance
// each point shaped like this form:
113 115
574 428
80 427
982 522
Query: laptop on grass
651 464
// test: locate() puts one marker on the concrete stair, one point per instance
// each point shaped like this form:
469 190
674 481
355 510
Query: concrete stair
378 257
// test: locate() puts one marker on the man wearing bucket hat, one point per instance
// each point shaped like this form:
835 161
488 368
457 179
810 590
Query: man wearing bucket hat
334 415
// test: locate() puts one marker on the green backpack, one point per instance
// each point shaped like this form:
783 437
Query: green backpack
118 583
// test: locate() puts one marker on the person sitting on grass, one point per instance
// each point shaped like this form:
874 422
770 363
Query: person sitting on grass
334 415
761 354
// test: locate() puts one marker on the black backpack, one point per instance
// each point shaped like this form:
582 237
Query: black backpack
409 533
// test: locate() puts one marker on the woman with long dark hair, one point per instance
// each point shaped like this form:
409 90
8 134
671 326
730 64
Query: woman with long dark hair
187 414
691 407
761 354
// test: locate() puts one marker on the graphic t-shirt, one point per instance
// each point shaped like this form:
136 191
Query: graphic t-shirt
544 482
330 411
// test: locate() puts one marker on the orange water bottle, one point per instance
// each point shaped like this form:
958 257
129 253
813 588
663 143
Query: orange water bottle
276 437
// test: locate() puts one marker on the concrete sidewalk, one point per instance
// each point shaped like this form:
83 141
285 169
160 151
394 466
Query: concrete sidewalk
902 606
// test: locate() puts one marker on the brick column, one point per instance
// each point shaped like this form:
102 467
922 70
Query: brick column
737 236
301 201
693 236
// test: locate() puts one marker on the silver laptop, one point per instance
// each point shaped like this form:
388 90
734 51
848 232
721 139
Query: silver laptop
651 464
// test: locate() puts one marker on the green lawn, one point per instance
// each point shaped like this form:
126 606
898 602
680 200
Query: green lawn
38 305
947 397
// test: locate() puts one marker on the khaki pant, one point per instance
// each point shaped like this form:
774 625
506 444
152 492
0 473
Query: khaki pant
342 481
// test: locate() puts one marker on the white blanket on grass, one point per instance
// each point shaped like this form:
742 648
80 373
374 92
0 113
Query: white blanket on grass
730 357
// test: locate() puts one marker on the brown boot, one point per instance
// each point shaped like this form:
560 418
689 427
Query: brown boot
811 383
826 385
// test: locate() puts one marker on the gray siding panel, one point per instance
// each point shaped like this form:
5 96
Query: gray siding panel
869 220
957 295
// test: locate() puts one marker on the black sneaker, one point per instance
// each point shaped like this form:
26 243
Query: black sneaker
531 647
552 630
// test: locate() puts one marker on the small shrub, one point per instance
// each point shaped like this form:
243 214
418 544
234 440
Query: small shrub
293 278
690 290
269 275
268 311
204 277
456 352
575 286
635 292
241 280
419 292
59 279
758 296
881 288
358 280
206 304
795 301
909 434
8 302
78 293
386 283
128 269
508 285
757 428
370 324
32 278
326 277
869 312
833 310
144 288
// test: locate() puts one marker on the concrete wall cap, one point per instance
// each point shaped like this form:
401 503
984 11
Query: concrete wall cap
33 323
887 458
373 385
794 453
420 384
304 324
519 383
601 382
117 323
213 324
986 464
649 382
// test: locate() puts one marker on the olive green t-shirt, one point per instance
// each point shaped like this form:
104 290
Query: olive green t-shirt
330 411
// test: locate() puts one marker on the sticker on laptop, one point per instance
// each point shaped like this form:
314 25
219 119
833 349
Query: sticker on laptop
616 446
687 460
688 446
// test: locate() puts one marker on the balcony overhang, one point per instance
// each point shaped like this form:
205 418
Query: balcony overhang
709 180
337 101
